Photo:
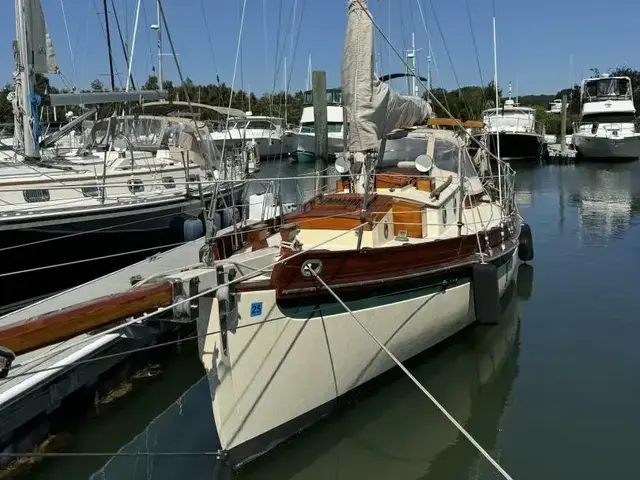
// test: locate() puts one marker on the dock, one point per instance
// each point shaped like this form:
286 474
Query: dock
40 381
558 156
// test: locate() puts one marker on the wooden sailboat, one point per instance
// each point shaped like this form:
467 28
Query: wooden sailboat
416 252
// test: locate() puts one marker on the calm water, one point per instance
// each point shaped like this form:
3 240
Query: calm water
552 392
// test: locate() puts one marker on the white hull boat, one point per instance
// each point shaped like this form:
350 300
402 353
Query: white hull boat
605 147
607 128
267 134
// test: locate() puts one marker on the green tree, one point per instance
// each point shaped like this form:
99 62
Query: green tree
151 83
97 86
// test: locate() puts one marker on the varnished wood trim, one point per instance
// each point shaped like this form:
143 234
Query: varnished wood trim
379 264
257 237
254 286
54 327
425 184
407 218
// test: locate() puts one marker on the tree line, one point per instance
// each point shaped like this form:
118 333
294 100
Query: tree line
469 102
213 94
466 103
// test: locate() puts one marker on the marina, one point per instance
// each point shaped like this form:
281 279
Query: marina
548 384
307 284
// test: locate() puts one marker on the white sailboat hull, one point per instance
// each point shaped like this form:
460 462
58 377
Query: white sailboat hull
273 375
268 146
607 148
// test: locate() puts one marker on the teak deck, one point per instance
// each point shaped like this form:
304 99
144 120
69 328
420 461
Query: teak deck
344 212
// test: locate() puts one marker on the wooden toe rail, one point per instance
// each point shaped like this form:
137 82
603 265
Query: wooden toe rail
54 327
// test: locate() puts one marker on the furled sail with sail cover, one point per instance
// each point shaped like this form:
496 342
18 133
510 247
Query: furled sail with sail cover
44 59
372 108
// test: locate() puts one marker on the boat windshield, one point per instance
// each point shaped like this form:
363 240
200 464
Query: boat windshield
607 88
609 117
239 125
447 155
332 127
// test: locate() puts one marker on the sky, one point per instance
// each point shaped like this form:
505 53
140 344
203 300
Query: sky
542 45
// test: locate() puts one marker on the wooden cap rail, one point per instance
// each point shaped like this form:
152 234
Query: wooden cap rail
53 327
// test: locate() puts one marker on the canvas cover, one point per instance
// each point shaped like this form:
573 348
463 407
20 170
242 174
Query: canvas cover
372 109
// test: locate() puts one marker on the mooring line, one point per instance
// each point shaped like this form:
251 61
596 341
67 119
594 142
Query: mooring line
413 379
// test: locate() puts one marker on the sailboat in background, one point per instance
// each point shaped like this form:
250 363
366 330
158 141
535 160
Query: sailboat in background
133 178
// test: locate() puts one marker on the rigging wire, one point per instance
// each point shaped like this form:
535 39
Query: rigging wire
453 69
475 48
92 259
66 27
428 394
205 292
146 22
233 79
431 95
431 54
122 42
213 56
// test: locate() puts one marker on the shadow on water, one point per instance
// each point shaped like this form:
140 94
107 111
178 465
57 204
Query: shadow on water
117 419
394 433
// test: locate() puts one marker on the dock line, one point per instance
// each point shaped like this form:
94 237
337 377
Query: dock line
413 379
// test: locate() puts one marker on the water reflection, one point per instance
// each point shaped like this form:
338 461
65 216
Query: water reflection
396 433
604 198
298 182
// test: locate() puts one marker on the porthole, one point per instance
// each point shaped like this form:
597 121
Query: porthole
36 195
135 185
444 216
168 182
386 230
92 191
455 207
194 177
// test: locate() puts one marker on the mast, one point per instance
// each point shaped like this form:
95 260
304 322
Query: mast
429 69
26 81
159 30
495 81
412 71
106 24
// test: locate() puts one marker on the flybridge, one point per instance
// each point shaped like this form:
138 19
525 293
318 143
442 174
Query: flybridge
606 88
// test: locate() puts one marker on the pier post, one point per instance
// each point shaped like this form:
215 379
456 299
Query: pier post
563 125
319 87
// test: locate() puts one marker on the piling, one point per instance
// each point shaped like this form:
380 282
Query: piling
319 88
563 126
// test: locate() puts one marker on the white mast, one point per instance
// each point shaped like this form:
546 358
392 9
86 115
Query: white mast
495 81
429 68
412 69
158 28
309 74
26 79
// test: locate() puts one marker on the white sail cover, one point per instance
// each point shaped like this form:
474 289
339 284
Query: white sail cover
372 108
44 59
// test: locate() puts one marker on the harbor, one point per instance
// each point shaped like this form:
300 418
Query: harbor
372 277
533 383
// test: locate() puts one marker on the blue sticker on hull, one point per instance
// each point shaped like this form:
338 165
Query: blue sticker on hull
256 309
